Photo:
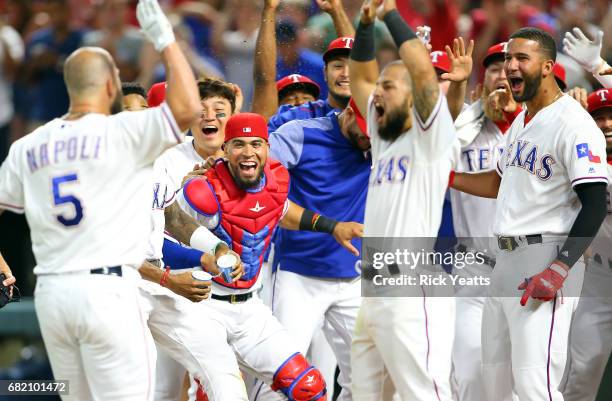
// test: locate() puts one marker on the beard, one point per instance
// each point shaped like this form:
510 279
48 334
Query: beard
396 121
531 84
608 135
247 184
490 112
340 98
117 105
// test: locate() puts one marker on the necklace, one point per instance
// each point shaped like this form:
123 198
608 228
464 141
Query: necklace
558 96
554 100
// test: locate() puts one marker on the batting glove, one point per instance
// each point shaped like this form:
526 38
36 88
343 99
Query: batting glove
544 285
583 51
154 24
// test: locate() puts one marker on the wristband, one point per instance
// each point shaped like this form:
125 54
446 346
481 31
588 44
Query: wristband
363 48
312 221
451 178
203 240
399 29
164 278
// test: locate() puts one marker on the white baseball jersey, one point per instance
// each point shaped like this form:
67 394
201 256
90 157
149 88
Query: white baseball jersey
179 161
84 186
164 194
472 214
602 241
559 148
410 175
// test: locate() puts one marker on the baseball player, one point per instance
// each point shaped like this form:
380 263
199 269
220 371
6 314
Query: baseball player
242 200
218 103
337 77
264 66
590 341
179 330
85 177
312 265
134 96
480 129
553 162
413 145
296 89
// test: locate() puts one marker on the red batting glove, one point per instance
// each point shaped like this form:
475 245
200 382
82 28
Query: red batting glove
544 285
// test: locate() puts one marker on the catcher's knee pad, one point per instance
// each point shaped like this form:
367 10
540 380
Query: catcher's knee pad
299 381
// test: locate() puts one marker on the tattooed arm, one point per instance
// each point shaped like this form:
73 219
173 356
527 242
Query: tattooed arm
179 224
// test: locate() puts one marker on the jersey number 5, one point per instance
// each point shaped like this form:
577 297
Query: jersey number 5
59 199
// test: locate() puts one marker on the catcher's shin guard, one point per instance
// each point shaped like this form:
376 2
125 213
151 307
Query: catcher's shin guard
299 381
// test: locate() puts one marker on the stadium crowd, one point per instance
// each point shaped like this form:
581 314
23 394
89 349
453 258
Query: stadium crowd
219 38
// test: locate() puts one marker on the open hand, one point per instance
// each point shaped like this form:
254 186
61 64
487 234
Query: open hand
460 59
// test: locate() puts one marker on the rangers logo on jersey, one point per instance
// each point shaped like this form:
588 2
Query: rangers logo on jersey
525 155
390 170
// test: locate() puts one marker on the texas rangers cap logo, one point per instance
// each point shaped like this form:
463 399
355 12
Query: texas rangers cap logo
348 42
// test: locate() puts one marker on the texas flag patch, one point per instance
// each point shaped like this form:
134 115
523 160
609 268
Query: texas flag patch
582 149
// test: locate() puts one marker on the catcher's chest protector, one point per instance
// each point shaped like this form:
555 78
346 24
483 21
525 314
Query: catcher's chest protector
248 218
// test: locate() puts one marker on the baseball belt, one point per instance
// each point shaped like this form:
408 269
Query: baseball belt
460 248
233 298
511 243
108 271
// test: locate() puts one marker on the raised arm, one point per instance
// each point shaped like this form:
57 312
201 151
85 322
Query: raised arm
335 9
182 91
363 66
265 97
415 56
461 68
588 54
